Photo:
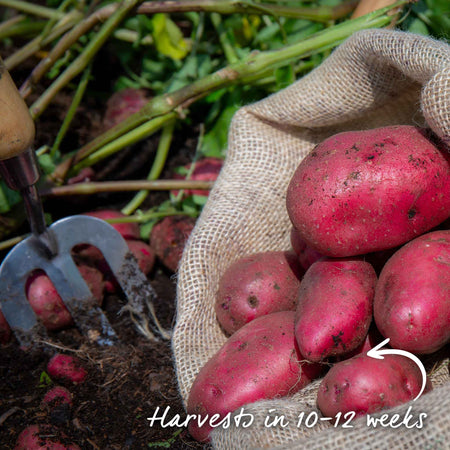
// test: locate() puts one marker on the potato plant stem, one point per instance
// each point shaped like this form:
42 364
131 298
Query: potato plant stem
96 187
8 243
80 63
152 215
22 28
157 167
79 93
254 64
33 9
6 25
41 41
144 130
319 14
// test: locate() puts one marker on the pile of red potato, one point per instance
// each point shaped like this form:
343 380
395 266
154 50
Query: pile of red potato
370 260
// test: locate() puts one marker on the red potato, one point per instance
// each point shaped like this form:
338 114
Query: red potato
168 238
306 255
48 305
43 437
205 169
259 361
83 176
366 385
123 104
364 191
5 330
256 285
334 308
412 297
144 255
372 339
127 230
57 395
67 368
57 404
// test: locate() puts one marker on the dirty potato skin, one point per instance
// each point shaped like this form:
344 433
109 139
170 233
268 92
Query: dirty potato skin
364 191
334 308
168 238
255 285
260 361
412 297
365 385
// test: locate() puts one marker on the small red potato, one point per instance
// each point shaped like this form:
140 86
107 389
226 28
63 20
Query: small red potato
123 104
363 191
366 385
57 395
48 305
66 367
143 253
305 254
5 330
412 297
127 230
259 361
83 176
334 308
205 169
57 404
168 238
256 285
43 437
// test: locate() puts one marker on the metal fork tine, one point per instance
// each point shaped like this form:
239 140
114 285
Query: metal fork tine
14 272
66 233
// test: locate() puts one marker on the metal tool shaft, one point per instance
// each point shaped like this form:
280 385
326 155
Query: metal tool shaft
21 173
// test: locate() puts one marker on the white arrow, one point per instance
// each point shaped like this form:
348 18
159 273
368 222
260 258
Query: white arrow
378 354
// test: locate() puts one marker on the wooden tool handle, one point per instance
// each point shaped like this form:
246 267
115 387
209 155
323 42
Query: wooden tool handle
16 125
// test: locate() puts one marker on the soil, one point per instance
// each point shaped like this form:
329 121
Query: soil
126 383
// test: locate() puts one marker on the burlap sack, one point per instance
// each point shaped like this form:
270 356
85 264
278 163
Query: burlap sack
375 78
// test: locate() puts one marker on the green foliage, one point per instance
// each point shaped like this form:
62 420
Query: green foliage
44 380
168 37
429 18
8 198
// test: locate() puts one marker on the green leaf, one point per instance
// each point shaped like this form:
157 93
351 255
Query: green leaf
46 163
215 139
200 200
168 37
284 76
8 198
188 206
146 229
44 380
418 27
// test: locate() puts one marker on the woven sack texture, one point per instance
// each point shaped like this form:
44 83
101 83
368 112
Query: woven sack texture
375 78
